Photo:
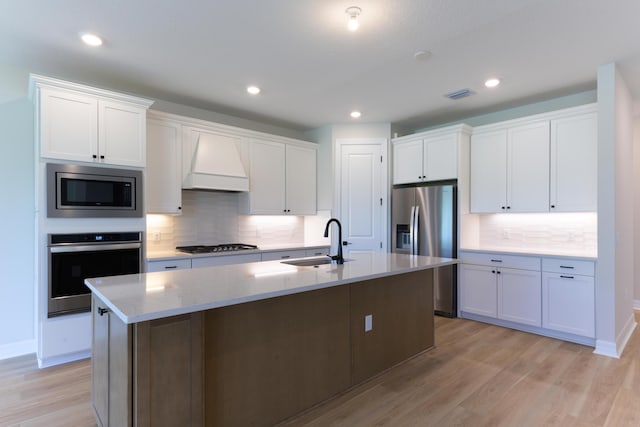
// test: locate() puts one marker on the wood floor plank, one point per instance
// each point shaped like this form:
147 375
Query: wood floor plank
477 375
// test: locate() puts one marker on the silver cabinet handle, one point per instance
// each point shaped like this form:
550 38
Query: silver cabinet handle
102 311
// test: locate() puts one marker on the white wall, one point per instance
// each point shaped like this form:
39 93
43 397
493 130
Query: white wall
18 216
614 275
636 192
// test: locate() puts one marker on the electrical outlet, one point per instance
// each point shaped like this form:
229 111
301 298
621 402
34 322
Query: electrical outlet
368 322
156 236
505 233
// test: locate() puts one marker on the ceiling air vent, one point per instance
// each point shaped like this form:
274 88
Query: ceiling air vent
459 94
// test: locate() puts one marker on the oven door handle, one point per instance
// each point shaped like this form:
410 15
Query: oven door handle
89 248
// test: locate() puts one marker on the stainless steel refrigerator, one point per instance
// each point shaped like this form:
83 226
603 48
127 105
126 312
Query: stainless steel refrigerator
424 222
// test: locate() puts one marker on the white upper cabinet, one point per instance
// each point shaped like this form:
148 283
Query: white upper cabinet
528 168
407 162
86 124
301 180
428 156
282 179
536 164
489 172
164 172
574 163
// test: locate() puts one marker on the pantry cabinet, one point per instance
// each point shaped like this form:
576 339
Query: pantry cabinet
428 156
282 179
85 124
510 170
164 162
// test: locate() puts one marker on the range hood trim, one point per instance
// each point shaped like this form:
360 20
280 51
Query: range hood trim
205 164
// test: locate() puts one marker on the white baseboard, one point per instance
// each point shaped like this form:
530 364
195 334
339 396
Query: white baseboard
65 358
615 349
16 349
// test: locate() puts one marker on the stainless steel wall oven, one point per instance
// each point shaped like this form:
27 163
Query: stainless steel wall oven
75 257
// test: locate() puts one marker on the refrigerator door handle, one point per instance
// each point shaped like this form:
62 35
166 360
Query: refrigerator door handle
416 230
411 231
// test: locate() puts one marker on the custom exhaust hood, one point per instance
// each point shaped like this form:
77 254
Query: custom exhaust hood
216 165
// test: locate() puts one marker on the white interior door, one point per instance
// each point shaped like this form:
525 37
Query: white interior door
363 199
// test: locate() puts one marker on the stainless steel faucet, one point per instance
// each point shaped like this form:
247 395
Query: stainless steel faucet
337 258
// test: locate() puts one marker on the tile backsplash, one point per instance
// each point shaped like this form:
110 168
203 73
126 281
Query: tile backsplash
212 218
557 232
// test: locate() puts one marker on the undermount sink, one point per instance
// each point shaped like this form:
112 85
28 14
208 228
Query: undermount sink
308 262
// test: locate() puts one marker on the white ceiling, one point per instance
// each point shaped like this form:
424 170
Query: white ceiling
313 71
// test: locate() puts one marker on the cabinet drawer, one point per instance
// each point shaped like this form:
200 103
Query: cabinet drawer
500 260
568 266
272 256
174 264
316 252
224 260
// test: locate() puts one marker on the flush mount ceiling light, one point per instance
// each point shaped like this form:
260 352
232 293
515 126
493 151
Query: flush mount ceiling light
253 90
91 39
422 55
353 13
355 114
492 82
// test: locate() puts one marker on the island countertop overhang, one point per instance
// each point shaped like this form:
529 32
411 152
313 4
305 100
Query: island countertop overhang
148 296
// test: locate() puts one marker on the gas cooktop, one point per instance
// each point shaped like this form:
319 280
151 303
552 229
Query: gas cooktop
225 247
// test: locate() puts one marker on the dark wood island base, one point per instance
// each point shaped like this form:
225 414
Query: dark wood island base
256 363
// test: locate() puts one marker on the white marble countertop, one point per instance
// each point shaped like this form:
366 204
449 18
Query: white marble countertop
173 254
579 255
141 297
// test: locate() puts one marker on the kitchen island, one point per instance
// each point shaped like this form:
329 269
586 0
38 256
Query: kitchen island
252 344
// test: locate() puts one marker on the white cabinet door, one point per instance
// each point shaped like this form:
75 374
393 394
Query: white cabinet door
300 180
267 178
489 172
478 289
68 125
568 303
528 168
121 133
407 162
519 296
574 165
163 174
440 157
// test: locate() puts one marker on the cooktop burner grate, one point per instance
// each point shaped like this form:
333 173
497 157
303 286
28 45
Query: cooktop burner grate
225 247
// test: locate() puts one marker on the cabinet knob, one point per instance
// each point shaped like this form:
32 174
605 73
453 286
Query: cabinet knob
498 272
493 271
553 206
94 156
502 207
508 207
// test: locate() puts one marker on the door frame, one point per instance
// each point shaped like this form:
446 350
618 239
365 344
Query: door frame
384 185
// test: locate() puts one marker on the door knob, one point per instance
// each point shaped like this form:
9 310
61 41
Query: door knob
345 243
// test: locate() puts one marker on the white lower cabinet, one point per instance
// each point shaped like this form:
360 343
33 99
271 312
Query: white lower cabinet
224 260
519 296
555 296
569 298
478 289
168 265
272 256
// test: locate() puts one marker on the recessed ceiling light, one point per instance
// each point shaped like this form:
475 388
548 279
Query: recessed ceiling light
253 90
493 82
355 114
91 39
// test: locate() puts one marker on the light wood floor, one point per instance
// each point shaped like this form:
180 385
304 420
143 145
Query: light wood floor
478 375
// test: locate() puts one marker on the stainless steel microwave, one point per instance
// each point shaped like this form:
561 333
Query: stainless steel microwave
75 191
